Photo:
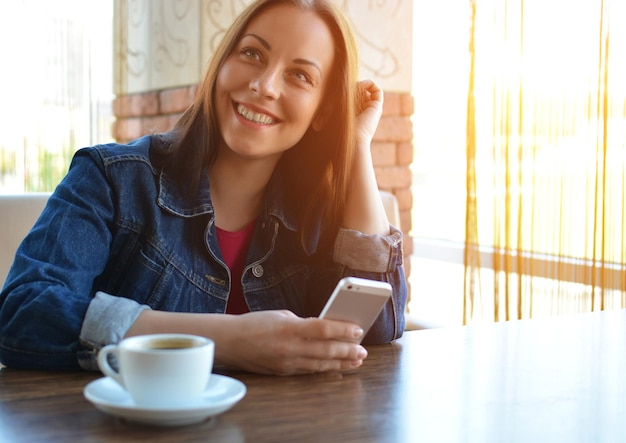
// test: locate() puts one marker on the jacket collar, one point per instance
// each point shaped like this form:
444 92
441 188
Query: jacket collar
172 200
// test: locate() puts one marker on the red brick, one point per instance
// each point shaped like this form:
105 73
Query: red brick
407 108
156 124
137 105
393 177
405 198
404 154
384 153
127 129
398 129
407 246
392 104
121 106
176 100
406 221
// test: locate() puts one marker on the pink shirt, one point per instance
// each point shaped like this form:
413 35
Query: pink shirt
234 247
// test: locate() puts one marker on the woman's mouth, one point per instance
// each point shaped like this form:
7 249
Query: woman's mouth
254 117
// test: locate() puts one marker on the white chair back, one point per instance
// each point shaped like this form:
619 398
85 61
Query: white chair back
390 202
18 213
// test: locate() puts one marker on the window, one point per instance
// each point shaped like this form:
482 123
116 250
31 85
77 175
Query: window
520 170
56 87
440 78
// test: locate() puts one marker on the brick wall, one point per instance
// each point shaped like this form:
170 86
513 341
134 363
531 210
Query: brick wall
392 149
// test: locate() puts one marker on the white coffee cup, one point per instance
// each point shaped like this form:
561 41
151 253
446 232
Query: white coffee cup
161 370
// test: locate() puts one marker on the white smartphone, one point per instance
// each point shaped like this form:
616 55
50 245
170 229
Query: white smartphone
357 300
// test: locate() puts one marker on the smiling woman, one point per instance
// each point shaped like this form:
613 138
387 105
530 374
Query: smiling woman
242 208
276 86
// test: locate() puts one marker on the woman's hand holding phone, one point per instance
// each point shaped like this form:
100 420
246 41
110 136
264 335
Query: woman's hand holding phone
358 301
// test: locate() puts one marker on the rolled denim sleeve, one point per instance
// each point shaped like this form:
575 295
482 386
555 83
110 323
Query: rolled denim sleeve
107 320
378 257
371 253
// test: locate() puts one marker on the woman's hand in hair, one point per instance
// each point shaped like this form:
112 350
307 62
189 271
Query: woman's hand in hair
369 108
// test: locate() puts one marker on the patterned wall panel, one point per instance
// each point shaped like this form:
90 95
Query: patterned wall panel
162 44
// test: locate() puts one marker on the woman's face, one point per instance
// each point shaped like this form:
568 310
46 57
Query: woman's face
271 87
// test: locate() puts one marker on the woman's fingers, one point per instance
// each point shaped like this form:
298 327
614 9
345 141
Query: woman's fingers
286 344
329 329
326 346
369 109
369 93
313 366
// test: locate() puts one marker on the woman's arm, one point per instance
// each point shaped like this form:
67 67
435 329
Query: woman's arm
269 342
364 211
49 287
366 245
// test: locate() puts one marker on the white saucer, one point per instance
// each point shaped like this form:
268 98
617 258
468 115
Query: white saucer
221 394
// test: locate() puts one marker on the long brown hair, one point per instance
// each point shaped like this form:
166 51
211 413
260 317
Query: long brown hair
317 168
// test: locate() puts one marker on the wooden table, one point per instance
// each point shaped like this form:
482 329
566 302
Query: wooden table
558 380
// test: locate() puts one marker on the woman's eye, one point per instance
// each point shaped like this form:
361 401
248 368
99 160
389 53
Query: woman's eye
250 53
302 76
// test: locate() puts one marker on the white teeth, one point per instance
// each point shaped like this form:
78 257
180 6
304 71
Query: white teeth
254 116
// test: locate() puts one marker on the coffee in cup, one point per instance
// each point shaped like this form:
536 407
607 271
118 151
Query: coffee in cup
161 370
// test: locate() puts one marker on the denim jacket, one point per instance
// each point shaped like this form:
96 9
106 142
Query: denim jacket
116 238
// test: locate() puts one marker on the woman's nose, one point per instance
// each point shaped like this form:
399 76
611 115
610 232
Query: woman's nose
265 84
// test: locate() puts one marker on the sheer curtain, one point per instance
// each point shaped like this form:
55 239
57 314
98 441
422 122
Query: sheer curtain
546 158
56 87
